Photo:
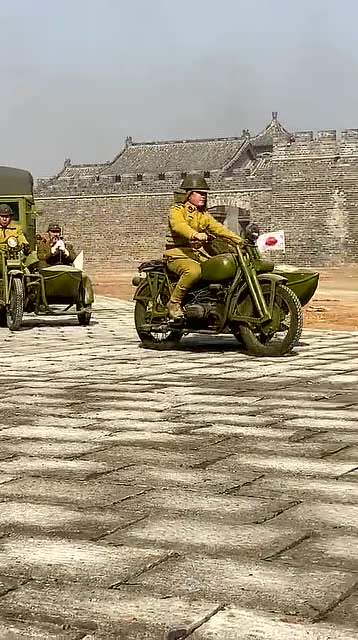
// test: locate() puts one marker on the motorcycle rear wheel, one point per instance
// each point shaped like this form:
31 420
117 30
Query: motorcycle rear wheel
264 344
142 312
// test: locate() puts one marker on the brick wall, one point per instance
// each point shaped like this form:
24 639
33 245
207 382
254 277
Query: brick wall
314 197
309 187
122 230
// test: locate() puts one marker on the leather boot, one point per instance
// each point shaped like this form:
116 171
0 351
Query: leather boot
175 311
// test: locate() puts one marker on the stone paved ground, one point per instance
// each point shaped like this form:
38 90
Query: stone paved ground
195 494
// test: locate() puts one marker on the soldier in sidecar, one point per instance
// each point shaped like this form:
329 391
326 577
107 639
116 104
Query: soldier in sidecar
28 284
52 249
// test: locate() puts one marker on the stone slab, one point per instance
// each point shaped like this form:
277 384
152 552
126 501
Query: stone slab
91 493
11 629
57 520
192 534
54 467
333 549
73 561
320 515
206 480
301 488
103 611
251 624
266 586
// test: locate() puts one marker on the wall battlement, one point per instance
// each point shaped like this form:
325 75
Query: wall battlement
310 144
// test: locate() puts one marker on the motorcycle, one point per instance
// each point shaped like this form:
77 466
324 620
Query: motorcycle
53 291
238 293
12 289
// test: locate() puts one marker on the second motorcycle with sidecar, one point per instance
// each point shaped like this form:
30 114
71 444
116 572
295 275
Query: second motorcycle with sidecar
239 293
55 291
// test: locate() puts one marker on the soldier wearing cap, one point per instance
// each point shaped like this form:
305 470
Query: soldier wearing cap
8 228
188 225
52 250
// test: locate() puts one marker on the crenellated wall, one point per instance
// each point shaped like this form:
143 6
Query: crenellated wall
307 186
314 196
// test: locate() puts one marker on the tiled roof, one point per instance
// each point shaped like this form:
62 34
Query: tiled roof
80 171
183 155
265 138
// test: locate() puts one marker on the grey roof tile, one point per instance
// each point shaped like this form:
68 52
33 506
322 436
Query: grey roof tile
80 171
265 138
184 155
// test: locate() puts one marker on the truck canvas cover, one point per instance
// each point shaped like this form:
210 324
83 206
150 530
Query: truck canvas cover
15 182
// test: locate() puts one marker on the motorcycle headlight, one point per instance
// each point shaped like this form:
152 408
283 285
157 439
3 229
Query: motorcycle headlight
252 232
12 242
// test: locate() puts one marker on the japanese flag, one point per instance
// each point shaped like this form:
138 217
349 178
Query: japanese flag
274 241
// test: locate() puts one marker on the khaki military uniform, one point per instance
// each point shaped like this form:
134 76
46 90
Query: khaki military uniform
14 230
181 256
48 259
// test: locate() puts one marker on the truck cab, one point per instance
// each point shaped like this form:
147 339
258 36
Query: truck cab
16 190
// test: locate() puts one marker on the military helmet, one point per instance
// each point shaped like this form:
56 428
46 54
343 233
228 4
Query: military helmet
194 182
54 227
5 210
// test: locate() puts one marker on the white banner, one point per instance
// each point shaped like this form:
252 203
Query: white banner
78 261
274 241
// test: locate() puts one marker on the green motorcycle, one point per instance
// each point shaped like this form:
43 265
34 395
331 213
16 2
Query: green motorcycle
239 293
12 289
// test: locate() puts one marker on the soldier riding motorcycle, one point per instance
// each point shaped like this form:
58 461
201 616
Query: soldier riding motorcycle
234 292
13 247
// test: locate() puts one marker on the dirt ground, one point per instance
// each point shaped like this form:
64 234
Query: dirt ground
334 305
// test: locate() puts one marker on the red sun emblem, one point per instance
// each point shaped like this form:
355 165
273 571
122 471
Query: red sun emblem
271 241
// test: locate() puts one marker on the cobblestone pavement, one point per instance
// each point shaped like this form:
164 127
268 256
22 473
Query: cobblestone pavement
197 493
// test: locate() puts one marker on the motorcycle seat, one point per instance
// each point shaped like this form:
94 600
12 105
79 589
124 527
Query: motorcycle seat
152 265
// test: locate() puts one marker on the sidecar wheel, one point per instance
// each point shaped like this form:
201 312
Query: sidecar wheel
15 310
153 340
287 305
84 318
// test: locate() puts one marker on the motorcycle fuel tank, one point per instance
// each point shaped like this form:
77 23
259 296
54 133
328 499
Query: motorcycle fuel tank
221 267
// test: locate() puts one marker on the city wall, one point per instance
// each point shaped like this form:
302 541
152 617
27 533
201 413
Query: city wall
309 189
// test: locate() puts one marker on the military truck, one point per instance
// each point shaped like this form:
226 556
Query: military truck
17 190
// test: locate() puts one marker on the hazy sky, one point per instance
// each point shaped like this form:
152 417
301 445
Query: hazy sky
78 76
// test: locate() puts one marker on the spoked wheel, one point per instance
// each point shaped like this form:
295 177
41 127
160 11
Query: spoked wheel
15 309
163 338
284 331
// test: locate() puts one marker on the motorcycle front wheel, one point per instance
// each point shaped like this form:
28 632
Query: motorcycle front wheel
159 339
15 309
286 327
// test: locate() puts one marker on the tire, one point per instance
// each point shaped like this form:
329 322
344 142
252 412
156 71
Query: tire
3 318
15 310
84 318
154 340
84 314
262 344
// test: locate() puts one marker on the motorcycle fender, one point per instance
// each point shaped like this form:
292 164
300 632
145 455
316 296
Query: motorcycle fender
14 273
154 281
270 278
274 278
138 294
88 294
